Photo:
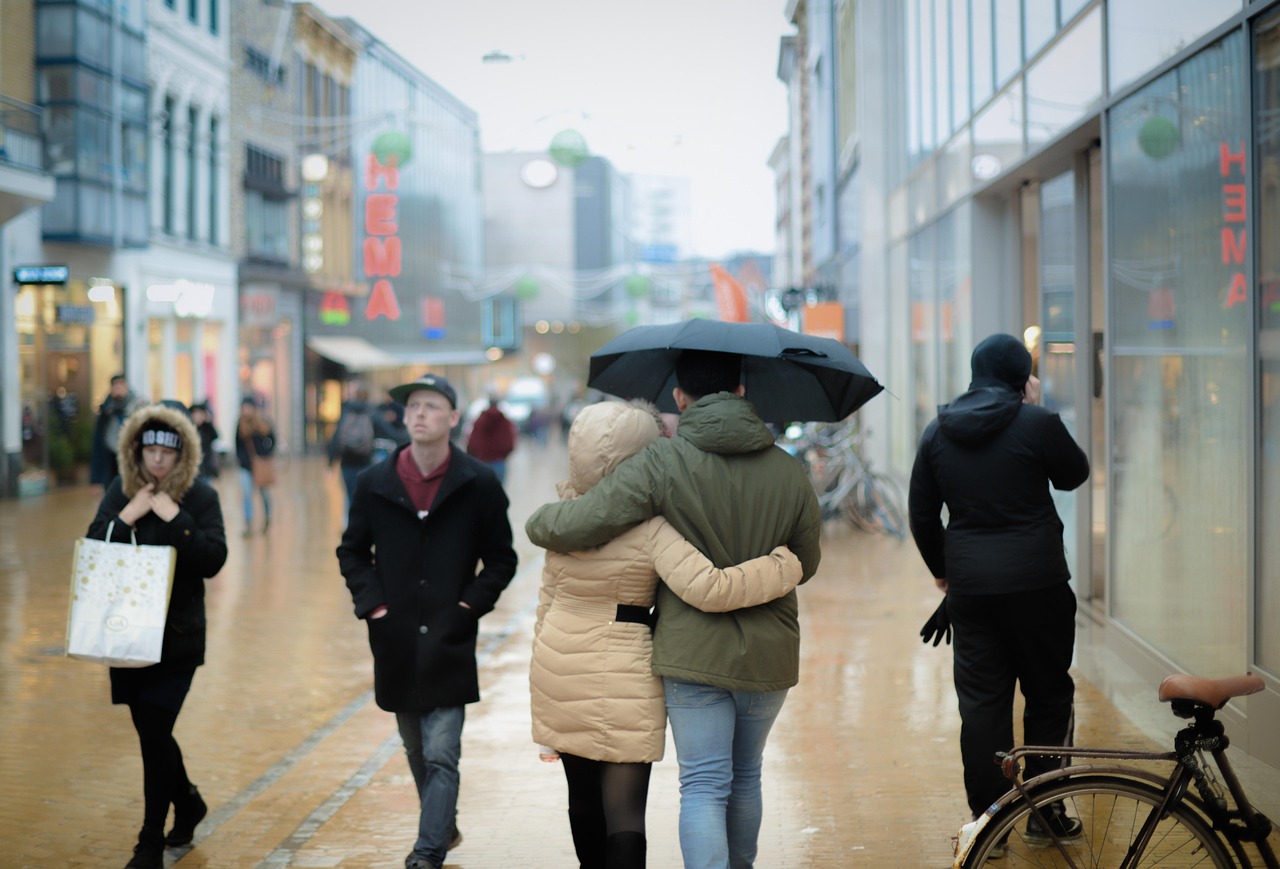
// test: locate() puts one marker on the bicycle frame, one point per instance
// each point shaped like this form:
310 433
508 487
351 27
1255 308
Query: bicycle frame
1243 824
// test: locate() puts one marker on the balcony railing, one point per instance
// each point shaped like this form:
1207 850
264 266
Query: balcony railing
20 139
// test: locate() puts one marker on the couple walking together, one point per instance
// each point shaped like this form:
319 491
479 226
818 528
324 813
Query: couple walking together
427 551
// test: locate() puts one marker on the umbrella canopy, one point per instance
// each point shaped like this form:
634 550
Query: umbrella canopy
789 377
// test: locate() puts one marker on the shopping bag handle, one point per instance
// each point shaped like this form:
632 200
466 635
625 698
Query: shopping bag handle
133 533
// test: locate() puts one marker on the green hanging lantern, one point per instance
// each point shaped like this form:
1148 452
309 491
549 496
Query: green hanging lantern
393 144
638 287
527 289
569 148
1158 137
632 317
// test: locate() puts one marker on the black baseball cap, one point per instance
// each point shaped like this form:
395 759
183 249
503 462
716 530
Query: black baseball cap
433 382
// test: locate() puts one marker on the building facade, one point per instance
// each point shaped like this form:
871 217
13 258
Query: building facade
1097 178
25 185
409 301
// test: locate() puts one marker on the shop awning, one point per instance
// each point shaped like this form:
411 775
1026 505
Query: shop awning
357 354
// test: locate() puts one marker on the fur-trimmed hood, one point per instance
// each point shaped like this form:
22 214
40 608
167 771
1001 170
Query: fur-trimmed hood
132 475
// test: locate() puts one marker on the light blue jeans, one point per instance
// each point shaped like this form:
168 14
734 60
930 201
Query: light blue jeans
246 489
720 737
433 745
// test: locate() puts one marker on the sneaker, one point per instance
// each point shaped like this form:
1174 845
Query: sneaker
420 863
1067 829
998 849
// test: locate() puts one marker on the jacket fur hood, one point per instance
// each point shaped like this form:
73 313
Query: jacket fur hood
132 475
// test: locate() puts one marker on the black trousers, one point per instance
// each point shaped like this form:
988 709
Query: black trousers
1025 638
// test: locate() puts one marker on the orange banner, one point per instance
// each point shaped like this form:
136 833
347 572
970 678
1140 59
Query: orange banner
731 298
825 319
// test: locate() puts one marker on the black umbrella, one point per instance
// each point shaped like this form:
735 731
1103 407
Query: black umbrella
789 377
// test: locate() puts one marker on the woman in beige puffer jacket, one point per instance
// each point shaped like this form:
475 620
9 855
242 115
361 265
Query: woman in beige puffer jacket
595 700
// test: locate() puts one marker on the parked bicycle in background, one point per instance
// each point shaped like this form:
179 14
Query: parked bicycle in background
842 476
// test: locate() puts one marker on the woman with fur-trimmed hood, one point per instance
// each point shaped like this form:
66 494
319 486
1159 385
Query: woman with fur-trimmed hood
159 500
595 700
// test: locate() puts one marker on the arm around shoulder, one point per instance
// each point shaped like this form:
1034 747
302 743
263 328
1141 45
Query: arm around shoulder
701 584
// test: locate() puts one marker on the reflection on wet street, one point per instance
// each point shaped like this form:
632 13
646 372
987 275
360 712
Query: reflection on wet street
300 768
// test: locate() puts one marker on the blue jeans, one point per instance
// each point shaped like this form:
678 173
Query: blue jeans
720 736
246 489
433 745
349 482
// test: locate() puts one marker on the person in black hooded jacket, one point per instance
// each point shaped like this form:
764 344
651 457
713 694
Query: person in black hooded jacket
990 457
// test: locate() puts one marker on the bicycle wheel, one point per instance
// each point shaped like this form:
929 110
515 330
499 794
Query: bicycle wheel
1112 811
886 506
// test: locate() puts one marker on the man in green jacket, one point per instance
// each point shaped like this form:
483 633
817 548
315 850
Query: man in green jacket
724 485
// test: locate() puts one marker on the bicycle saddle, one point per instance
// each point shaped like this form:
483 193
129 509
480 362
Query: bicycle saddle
1211 692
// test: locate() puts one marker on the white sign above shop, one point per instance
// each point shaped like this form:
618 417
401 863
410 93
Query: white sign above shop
189 298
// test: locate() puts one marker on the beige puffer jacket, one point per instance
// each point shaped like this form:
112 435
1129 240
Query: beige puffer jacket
593 692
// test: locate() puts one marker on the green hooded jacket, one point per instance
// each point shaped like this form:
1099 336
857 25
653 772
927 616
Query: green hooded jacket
723 484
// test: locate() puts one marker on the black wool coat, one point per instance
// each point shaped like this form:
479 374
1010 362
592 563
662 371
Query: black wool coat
991 460
422 569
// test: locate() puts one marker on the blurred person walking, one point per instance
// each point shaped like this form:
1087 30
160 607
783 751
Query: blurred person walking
493 438
158 499
255 446
426 553
595 700
202 417
723 485
352 444
392 432
104 463
990 457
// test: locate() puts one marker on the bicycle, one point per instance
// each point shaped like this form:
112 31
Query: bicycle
843 479
1128 817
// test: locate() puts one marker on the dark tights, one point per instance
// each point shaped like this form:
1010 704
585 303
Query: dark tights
164 776
606 811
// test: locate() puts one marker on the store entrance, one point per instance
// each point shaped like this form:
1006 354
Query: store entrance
68 349
1063 307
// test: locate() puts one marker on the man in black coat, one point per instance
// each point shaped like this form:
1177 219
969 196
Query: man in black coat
990 457
420 524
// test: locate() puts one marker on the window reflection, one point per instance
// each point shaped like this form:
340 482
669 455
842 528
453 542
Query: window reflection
1180 372
1067 82
1267 89
1144 33
997 132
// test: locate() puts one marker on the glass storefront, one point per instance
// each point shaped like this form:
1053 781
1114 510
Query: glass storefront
1267 156
1180 333
68 349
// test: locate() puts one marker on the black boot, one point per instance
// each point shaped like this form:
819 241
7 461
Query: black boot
188 810
625 851
149 852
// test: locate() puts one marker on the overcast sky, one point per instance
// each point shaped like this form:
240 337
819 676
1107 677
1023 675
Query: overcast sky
669 87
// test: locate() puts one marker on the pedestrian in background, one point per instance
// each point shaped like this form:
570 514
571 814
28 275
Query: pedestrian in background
990 457
724 486
426 553
255 447
392 433
493 438
121 401
159 500
202 417
595 700
352 444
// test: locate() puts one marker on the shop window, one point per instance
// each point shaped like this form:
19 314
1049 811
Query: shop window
1142 34
1180 336
1267 149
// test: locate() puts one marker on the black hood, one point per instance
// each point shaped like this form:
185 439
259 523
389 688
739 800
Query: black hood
979 414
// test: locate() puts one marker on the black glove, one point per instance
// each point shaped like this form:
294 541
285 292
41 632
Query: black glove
938 626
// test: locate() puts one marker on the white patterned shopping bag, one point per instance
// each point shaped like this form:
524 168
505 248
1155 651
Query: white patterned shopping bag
119 601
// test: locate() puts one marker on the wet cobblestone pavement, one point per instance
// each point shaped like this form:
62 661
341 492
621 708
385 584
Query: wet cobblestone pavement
301 769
